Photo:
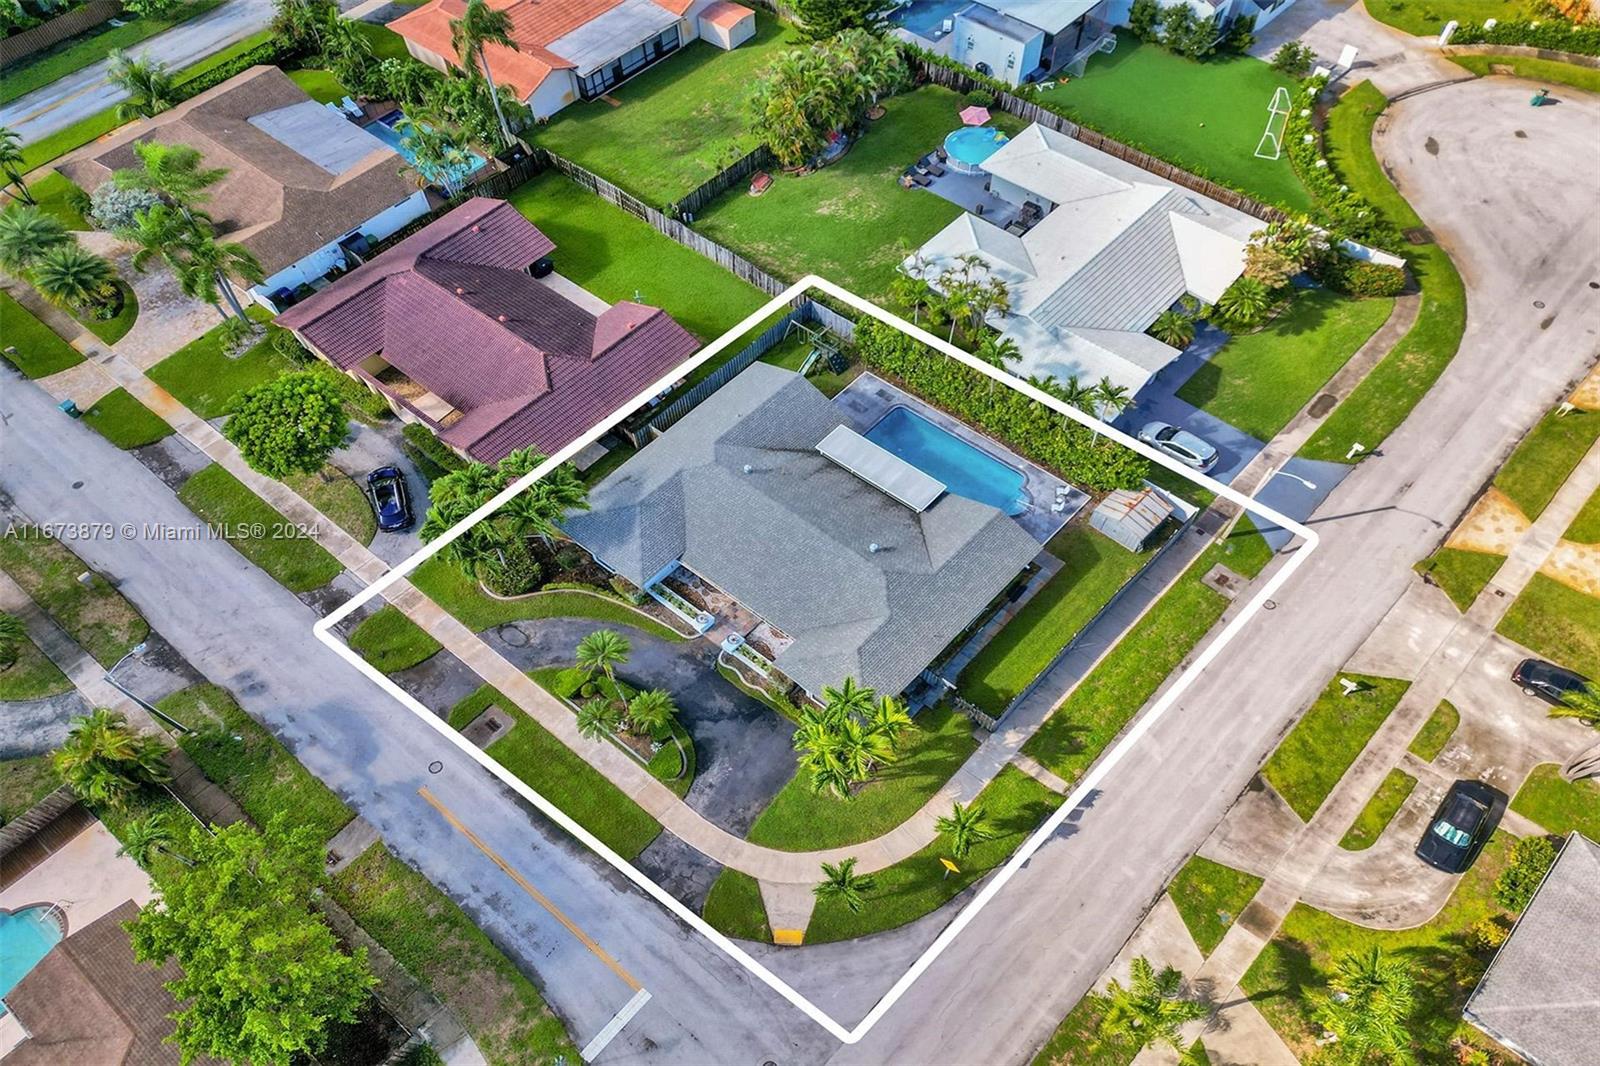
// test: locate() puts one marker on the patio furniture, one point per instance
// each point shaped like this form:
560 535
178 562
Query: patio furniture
921 180
1016 228
1059 506
978 210
941 154
351 108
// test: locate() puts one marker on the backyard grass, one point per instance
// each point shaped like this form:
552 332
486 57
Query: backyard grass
1094 568
850 221
444 583
385 43
679 122
1539 466
1558 623
791 354
112 330
530 752
1436 731
1461 574
1379 811
435 940
734 907
391 641
1383 399
255 769
96 616
1549 71
619 257
54 193
321 85
799 819
257 531
39 351
24 782
205 378
336 494
1425 18
1585 528
1558 805
124 421
31 675
1260 380
1209 121
1209 896
1015 804
1327 739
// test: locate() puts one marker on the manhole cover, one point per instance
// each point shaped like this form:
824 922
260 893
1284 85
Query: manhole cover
1419 235
1323 404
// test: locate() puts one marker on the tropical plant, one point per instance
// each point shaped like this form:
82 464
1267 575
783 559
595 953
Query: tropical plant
106 761
116 209
965 826
601 652
69 275
12 634
840 882
174 173
1245 302
1151 1008
1110 398
435 157
653 711
1582 704
849 737
143 838
598 718
1294 59
207 268
289 425
13 163
481 25
822 19
145 80
1174 328
26 233
848 700
888 716
1531 859
805 95
1368 1008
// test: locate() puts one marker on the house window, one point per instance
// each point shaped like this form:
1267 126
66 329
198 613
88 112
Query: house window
629 63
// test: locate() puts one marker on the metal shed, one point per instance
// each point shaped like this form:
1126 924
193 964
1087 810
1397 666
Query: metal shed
1130 517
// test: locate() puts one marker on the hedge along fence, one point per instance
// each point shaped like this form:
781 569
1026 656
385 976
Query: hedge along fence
58 29
1556 35
1354 215
1523 50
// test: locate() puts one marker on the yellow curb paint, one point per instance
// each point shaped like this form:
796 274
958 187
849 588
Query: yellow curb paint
791 938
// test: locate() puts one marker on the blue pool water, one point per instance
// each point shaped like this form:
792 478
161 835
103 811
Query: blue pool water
925 18
965 470
384 130
25 937
973 144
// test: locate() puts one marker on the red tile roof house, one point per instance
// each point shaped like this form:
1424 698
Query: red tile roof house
569 50
451 325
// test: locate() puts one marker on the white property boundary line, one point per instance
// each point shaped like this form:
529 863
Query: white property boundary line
323 632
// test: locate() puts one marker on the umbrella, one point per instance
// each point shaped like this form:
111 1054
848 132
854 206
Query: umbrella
974 115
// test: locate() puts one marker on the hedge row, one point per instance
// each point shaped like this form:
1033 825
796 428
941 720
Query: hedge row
1557 35
1351 214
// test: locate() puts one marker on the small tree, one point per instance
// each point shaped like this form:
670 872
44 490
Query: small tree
26 234
653 712
1151 1009
106 761
822 19
841 882
146 81
1369 1008
143 839
481 25
436 157
13 163
601 652
1245 302
599 718
289 425
1294 59
1144 20
1531 859
965 826
12 634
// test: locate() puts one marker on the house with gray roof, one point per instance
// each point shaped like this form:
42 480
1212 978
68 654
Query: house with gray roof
1541 995
867 565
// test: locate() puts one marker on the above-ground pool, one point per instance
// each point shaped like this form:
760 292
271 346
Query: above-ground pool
969 146
384 130
25 937
966 470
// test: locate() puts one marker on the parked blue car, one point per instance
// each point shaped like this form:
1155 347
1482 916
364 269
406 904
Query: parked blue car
386 488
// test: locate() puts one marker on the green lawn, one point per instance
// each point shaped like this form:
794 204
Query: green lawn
442 947
112 330
39 351
1436 731
446 585
256 770
1095 567
532 753
391 641
1461 574
1558 623
257 531
1327 739
791 354
1210 897
680 121
1379 811
1539 466
1078 1040
1548 71
673 764
124 421
1585 528
849 222
54 193
38 153
31 675
226 55
799 819
205 379
386 44
1015 804
1559 805
103 623
619 257
734 907
1210 117
336 494
1425 18
321 85
1260 380
24 782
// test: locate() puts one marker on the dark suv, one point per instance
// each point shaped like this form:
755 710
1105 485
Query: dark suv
1458 829
1547 681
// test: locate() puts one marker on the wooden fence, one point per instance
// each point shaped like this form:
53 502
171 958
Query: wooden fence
733 174
78 20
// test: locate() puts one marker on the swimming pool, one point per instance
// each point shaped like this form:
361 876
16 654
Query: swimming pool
971 145
25 937
384 130
965 470
926 18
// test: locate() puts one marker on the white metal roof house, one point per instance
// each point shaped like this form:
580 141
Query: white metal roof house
1115 248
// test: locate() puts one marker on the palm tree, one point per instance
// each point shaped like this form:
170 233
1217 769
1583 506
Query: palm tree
173 172
1075 393
209 268
1109 399
12 161
145 80
12 634
1151 1008
1582 704
860 750
599 718
436 157
1245 301
653 712
480 25
965 826
908 291
1369 1009
817 741
105 761
841 882
847 701
142 839
997 351
477 549
602 652
1174 328
888 717
69 275
26 233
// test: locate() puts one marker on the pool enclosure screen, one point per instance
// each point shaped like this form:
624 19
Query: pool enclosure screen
629 63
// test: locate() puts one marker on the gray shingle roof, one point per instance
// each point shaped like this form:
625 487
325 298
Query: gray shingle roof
791 538
1541 994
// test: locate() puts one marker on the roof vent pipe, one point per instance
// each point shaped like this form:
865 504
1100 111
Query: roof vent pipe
500 318
874 548
748 469
460 291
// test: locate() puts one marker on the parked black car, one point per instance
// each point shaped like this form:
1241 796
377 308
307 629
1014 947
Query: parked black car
386 488
1547 681
1458 829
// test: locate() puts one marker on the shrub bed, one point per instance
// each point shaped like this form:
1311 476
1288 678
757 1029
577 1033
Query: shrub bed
1557 35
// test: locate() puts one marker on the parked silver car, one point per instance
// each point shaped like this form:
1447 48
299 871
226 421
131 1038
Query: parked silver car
1182 445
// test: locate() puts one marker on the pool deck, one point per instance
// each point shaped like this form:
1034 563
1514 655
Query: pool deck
968 192
869 397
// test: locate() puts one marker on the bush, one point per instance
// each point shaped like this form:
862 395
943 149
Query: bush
1356 277
288 425
288 345
269 53
1294 59
1144 19
432 448
518 574
1488 933
1346 213
1556 34
1240 35
1531 859
627 590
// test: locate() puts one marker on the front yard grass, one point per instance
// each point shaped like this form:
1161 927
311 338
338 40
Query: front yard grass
1558 623
39 352
391 641
799 819
124 421
1094 568
734 907
1558 805
1078 1040
1327 739
445 584
54 193
65 139
678 123
435 940
112 330
205 379
1379 811
1436 732
1539 466
1209 121
24 782
1461 574
255 769
1260 380
618 257
1585 528
1549 71
1209 896
31 675
911 888
532 753
848 221
257 531
336 494
1426 18
96 616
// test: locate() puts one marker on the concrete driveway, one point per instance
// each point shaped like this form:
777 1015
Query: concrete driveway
365 450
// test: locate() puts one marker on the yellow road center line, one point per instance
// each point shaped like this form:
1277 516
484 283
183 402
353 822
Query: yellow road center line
538 897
